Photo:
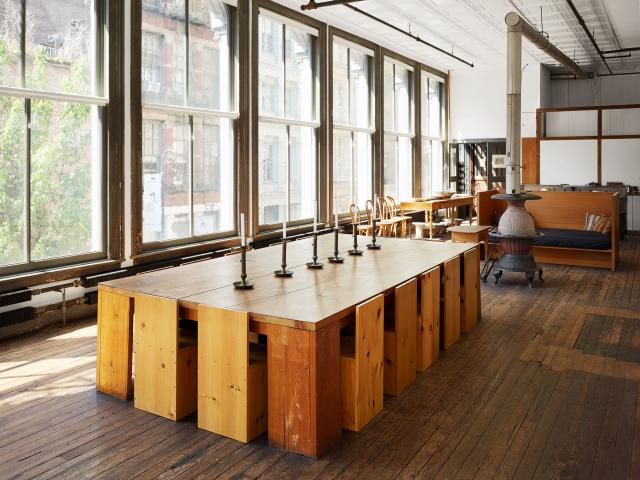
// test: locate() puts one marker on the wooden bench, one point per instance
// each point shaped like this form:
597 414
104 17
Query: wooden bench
362 365
562 210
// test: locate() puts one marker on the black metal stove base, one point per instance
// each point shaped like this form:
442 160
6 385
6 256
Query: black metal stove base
518 263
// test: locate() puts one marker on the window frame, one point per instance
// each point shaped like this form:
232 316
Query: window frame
294 19
370 49
149 251
433 75
107 97
414 109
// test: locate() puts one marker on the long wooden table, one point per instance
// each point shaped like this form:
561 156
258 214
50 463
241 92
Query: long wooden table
301 317
430 206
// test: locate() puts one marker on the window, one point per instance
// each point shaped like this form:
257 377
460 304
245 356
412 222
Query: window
288 122
432 168
352 126
399 131
52 106
188 120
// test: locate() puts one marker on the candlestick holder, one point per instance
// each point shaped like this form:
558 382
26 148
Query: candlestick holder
336 258
243 284
284 273
315 264
355 250
373 245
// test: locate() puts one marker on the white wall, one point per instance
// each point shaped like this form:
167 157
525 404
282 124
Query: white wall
479 102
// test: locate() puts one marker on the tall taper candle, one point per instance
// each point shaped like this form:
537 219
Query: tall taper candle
243 240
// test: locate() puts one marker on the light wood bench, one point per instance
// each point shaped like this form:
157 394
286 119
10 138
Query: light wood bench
399 341
362 365
232 376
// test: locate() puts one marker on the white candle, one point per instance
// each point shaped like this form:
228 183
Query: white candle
242 237
315 217
284 228
336 220
374 206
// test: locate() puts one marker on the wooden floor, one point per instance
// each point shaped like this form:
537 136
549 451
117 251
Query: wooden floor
547 386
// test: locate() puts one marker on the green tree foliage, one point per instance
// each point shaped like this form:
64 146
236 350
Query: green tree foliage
61 167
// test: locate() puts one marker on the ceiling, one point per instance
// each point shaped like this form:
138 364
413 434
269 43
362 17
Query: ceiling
475 30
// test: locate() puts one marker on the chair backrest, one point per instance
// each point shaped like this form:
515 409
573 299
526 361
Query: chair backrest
354 211
382 209
369 210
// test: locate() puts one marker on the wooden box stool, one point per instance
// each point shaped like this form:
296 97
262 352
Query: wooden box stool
470 290
451 304
399 341
165 361
471 234
232 379
428 332
362 365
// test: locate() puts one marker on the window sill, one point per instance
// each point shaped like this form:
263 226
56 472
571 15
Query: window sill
57 274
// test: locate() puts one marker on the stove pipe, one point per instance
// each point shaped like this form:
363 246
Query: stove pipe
516 28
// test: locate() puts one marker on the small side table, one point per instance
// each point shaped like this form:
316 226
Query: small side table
471 234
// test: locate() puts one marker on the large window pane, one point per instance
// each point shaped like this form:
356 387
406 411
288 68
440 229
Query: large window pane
10 43
213 176
59 34
390 168
363 174
360 89
340 84
163 52
435 115
426 182
388 97
271 68
302 168
209 48
299 93
66 194
273 166
166 177
405 168
342 170
437 165
403 121
12 178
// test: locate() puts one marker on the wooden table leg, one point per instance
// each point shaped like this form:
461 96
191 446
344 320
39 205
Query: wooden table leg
430 212
305 403
114 345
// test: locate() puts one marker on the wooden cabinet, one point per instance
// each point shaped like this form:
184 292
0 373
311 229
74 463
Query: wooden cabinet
633 213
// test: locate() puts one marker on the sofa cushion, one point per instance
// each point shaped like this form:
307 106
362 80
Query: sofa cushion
555 237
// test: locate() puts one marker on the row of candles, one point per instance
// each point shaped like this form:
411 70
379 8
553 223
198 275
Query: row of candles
283 272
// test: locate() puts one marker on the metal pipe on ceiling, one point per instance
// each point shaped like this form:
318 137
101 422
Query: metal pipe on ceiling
515 21
622 50
408 34
313 5
589 34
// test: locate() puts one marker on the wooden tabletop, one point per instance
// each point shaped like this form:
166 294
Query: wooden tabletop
454 201
311 298
469 228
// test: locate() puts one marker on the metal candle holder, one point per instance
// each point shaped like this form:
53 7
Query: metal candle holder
373 245
355 250
243 284
335 258
315 263
284 272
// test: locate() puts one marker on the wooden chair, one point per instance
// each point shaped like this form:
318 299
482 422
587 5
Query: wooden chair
165 360
428 333
399 217
232 375
386 224
401 321
362 364
356 218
